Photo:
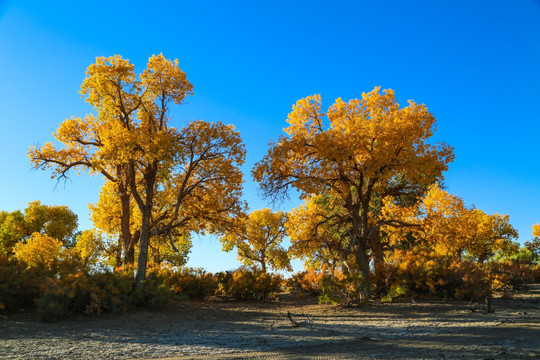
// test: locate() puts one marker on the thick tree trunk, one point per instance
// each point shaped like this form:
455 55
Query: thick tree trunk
128 243
145 206
360 234
378 260
129 252
362 261
143 248
263 263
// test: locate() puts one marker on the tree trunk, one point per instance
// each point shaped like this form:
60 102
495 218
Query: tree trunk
263 263
362 262
360 237
118 252
143 248
145 206
127 239
378 260
129 253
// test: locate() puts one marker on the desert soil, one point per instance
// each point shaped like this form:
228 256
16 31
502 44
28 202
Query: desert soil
231 330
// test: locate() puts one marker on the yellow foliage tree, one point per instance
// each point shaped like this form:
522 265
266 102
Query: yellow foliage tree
450 228
258 240
193 171
56 221
370 149
533 245
536 230
93 248
12 230
40 251
318 234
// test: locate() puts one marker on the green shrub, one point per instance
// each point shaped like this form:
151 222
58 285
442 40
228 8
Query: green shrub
395 292
83 293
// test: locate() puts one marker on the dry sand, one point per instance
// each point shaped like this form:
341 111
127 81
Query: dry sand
230 330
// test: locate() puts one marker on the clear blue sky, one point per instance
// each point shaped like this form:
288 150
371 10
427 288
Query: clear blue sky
475 64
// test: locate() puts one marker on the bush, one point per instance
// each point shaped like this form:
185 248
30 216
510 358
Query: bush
188 282
345 289
224 280
246 284
431 275
306 282
154 292
62 296
512 274
19 286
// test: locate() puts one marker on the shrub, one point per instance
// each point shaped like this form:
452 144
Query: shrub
188 282
154 293
62 296
421 273
246 284
343 288
19 285
224 280
306 282
512 274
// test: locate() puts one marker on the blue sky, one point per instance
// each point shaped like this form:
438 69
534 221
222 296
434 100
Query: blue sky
476 65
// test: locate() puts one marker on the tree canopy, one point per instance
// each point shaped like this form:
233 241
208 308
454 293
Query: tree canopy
55 221
362 152
178 179
258 240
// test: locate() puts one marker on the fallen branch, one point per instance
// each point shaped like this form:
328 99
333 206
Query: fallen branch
296 323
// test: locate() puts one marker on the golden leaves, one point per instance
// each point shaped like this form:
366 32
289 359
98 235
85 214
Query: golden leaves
367 139
451 228
536 230
258 240
40 251
163 79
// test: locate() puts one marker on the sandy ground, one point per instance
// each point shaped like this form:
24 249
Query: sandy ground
231 330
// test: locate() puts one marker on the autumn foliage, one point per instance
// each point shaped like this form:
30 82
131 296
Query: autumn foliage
375 222
162 182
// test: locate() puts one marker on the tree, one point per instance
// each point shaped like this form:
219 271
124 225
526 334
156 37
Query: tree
317 235
258 240
450 228
178 179
536 230
116 219
100 144
90 247
371 149
40 251
12 230
534 245
58 222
